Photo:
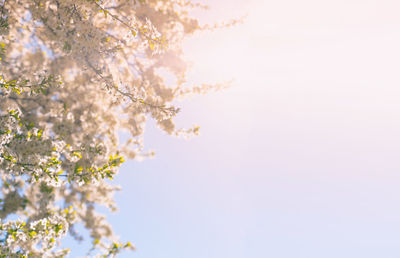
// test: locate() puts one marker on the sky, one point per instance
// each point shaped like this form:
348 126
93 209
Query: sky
299 158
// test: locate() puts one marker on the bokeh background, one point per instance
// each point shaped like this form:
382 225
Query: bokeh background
298 159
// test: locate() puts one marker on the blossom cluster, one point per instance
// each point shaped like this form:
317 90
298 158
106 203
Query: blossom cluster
74 74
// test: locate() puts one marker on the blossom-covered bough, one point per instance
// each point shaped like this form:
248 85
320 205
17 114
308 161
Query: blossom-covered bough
73 74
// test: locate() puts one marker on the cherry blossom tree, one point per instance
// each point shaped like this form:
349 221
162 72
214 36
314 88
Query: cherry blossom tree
73 75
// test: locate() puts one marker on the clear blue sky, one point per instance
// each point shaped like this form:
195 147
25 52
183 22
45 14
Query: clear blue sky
300 158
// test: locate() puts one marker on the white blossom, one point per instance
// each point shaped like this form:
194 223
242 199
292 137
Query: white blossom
73 75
